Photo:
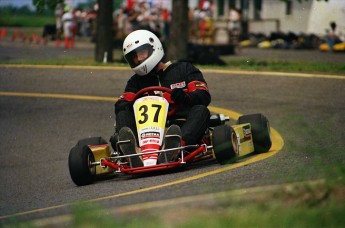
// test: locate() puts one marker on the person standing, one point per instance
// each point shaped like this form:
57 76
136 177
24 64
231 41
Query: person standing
69 27
333 36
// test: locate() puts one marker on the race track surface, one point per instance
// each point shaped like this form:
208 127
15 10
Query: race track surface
38 132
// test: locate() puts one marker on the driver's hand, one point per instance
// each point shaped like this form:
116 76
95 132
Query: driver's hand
179 96
124 106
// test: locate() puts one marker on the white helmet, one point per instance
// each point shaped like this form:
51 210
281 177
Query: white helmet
142 40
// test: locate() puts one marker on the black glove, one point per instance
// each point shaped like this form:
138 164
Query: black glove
179 96
124 106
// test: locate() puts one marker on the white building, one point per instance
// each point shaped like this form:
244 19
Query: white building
268 16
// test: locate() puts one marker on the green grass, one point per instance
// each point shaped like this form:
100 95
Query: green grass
74 61
285 66
25 20
313 204
253 65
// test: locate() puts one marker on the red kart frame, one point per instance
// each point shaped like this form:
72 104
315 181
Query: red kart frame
200 152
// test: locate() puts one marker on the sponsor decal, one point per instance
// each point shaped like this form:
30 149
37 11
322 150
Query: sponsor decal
150 134
247 134
150 128
201 84
144 68
178 85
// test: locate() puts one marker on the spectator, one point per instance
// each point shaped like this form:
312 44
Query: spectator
234 20
333 36
69 27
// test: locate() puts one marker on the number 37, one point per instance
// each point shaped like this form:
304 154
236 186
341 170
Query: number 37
144 110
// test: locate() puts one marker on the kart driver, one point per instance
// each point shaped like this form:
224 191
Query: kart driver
144 53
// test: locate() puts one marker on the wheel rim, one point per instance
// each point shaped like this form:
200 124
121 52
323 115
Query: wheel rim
235 143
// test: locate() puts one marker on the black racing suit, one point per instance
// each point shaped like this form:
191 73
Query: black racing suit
181 75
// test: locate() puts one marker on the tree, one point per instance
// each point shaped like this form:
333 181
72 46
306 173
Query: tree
178 37
104 36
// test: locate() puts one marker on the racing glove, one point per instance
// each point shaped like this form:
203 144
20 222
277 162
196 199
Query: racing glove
180 97
124 106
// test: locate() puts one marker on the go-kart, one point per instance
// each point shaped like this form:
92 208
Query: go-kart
93 158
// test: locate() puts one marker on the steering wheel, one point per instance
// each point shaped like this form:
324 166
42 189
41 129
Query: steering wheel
172 106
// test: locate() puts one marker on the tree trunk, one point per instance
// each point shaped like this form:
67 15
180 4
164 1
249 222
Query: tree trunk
104 36
178 37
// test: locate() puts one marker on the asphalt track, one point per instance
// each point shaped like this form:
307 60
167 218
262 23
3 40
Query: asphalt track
44 111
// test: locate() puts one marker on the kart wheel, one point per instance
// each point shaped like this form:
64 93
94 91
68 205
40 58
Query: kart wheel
260 131
80 159
223 145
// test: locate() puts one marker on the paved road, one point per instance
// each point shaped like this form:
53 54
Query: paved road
37 133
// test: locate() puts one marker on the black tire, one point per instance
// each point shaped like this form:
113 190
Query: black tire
260 131
222 145
79 160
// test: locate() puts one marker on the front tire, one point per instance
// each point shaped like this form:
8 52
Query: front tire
260 130
223 147
80 159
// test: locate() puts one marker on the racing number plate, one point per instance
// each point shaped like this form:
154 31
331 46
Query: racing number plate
150 116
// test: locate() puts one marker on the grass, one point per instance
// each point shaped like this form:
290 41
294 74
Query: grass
25 20
75 61
252 65
309 204
285 66
313 204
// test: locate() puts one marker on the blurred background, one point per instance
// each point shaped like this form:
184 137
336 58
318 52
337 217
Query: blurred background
188 29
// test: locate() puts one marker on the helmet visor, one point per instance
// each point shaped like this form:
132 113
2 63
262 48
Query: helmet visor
139 55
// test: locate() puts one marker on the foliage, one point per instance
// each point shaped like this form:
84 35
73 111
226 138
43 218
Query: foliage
11 10
25 21
45 4
86 5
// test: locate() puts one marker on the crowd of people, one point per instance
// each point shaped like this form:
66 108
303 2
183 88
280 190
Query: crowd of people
134 15
140 14
73 22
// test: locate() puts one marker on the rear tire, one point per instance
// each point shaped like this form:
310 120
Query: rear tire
80 159
222 145
260 131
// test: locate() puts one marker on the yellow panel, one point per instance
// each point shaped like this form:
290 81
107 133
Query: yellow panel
101 151
245 138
